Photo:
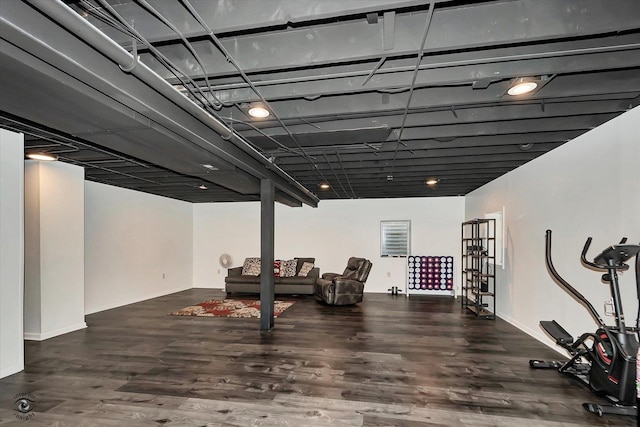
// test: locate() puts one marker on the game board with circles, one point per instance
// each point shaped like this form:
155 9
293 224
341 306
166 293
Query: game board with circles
430 275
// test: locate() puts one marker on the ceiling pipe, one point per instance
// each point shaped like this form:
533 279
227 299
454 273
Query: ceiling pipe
344 171
378 65
269 137
221 88
70 20
413 81
216 41
217 103
326 159
122 25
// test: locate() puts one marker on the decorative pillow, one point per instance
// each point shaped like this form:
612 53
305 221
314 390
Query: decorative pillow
306 268
251 267
276 268
302 261
288 268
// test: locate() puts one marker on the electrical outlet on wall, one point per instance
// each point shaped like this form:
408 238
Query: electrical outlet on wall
608 308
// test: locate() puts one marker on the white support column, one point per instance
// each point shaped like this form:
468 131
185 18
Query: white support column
11 252
54 249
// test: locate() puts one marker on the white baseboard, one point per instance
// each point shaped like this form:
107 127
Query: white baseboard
11 370
208 286
137 299
537 335
31 336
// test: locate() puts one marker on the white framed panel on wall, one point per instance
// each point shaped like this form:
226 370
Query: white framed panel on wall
395 238
499 217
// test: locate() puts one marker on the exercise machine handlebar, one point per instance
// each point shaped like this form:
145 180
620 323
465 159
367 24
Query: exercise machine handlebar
583 255
577 295
611 258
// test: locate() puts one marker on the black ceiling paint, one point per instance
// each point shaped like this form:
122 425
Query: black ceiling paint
349 107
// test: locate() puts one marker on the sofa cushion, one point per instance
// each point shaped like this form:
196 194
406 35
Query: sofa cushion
242 279
306 268
301 261
288 268
297 280
251 267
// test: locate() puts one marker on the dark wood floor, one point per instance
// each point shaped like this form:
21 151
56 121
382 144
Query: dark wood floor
389 361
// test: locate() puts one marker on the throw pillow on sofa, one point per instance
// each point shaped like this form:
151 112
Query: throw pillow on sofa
305 269
277 265
251 267
288 268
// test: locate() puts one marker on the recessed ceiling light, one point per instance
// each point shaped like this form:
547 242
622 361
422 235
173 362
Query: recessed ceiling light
42 156
210 167
203 187
432 181
258 112
324 186
522 87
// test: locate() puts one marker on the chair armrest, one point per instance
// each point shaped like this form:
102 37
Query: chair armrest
235 271
330 276
348 286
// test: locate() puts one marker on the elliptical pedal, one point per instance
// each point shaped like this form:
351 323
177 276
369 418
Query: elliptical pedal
562 337
544 364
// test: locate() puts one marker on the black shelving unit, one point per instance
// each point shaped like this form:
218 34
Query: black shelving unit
478 267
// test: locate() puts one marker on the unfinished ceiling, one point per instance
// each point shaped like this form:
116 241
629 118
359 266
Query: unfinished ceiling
372 97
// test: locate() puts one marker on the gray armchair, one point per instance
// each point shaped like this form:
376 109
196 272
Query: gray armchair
346 288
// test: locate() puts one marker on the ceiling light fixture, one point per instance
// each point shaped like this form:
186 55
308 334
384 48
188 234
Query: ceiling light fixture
42 156
324 186
259 112
521 86
210 167
432 181
203 187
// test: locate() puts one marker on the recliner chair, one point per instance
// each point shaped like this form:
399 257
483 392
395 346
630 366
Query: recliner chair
346 288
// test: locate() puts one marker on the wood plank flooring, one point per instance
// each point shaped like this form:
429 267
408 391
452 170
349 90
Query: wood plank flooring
389 361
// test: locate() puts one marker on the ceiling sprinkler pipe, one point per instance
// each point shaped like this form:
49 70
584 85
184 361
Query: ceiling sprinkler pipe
70 20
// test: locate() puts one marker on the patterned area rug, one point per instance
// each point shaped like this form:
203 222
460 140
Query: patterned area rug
230 308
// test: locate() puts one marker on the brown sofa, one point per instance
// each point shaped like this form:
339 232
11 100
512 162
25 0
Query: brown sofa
235 282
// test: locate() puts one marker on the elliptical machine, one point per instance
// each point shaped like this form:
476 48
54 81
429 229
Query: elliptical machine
605 361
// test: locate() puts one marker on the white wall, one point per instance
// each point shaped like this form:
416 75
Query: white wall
333 232
587 187
11 252
54 249
138 246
